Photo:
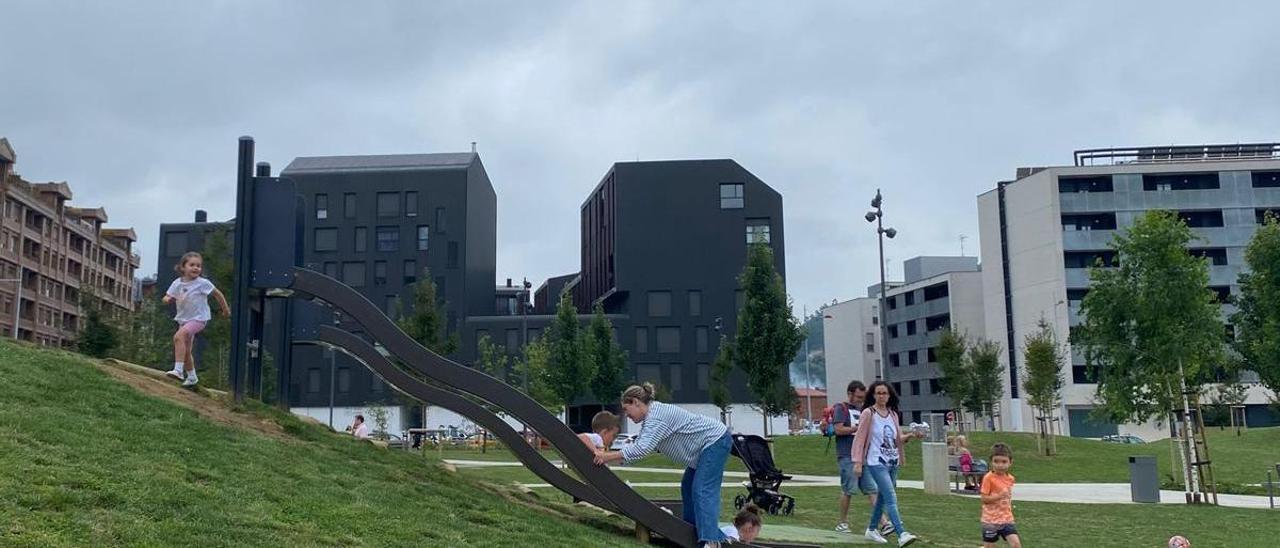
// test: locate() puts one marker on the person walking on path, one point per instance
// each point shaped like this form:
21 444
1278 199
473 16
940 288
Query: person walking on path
877 452
845 419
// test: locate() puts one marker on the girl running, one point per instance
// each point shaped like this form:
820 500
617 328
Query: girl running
191 293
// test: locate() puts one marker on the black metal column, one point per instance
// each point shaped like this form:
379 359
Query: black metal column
240 315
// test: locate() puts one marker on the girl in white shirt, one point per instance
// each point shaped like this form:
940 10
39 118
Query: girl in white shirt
191 293
746 525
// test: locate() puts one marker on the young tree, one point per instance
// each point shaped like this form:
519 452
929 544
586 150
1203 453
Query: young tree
492 360
768 334
98 337
535 362
148 336
219 268
1043 381
1151 325
985 368
720 370
956 381
570 373
1229 393
1257 319
608 358
425 323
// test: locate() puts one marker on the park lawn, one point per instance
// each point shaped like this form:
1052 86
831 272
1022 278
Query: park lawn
89 460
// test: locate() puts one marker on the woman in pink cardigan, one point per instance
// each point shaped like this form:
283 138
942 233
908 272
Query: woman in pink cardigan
877 450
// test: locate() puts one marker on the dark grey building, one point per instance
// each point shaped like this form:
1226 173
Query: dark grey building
176 239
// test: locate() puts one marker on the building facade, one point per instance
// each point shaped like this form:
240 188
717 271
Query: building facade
1041 232
57 256
851 346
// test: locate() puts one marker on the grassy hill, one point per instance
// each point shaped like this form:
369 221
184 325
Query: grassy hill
91 460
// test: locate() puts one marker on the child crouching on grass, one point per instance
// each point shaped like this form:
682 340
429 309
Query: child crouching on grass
191 293
997 500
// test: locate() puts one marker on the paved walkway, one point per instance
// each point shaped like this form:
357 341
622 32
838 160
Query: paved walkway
1080 493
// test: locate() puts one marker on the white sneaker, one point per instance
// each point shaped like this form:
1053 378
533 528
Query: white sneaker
906 538
176 373
190 381
875 536
842 527
887 529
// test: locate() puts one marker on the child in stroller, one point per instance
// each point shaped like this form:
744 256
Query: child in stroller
765 478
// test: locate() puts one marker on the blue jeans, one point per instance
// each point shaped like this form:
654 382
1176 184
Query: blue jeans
700 490
885 477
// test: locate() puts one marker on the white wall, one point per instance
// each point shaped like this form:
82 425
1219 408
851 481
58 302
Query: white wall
845 327
344 416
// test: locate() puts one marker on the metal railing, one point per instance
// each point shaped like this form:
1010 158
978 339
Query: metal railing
1176 153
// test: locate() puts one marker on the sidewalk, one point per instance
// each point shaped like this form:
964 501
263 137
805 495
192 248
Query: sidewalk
1079 493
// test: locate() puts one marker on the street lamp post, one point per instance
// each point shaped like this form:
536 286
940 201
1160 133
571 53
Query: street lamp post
877 216
808 381
17 304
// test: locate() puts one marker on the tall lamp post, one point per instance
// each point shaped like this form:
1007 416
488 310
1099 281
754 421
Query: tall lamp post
876 216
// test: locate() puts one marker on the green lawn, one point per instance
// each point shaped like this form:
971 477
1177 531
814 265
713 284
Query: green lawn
1238 460
90 461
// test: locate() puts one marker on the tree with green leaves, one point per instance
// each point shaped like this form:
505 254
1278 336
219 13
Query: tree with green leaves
608 358
1043 380
1257 318
535 362
768 334
985 372
148 336
721 368
98 337
571 367
1152 328
425 322
955 381
492 360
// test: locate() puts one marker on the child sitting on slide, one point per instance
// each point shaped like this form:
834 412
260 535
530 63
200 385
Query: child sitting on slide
604 428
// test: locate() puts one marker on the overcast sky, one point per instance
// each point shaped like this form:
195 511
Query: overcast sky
138 104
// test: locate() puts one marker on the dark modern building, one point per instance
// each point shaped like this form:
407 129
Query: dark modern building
176 239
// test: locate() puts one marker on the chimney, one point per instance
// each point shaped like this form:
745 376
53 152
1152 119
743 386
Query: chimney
202 216
473 147
508 282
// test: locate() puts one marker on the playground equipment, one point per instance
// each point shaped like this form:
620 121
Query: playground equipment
268 254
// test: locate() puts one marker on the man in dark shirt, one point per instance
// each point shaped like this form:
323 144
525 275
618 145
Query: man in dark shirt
845 419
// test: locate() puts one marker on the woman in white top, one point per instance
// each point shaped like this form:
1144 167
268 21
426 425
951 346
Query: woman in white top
877 451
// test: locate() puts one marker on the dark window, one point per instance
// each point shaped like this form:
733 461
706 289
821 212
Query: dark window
388 204
1076 295
326 239
513 340
353 274
453 255
934 323
659 304
410 204
893 360
677 382
893 302
642 340
731 195
376 384
910 297
1266 179
424 233
704 376
349 205
1180 181
648 372
893 331
322 206
1202 219
668 340
1261 214
757 231
392 303
439 287
897 388
875 320
915 388
388 238
362 239
440 218
344 380
379 272
915 415
1221 293
1216 255
913 357
935 387
911 327
1089 221
410 271
1083 374
175 244
700 338
331 270
936 291
871 342
1101 183
1088 259
695 303
313 380
931 355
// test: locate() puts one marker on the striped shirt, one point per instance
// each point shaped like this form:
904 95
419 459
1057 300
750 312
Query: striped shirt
674 432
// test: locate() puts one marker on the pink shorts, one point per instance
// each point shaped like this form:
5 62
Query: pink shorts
191 327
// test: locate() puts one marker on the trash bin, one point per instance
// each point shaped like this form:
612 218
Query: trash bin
1144 483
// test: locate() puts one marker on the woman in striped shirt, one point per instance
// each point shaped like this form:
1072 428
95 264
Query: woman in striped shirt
699 443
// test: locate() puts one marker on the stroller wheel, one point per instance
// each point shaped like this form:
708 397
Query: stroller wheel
789 508
739 501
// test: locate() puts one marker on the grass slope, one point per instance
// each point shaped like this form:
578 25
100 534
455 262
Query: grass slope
91 461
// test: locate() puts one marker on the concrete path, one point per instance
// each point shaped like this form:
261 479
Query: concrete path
1079 493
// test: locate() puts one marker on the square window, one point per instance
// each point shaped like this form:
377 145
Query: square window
695 303
388 204
893 360
326 239
700 338
731 195
911 298
893 331
344 380
912 358
757 231
379 273
313 380
362 239
331 270
642 340
915 388
175 244
410 204
424 233
322 206
353 274
704 376
911 327
659 304
410 271
440 219
676 371
668 340
349 205
388 238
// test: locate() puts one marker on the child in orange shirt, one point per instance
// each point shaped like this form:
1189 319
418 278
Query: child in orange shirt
997 500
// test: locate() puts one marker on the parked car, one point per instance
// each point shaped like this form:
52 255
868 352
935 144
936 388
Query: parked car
622 441
1123 438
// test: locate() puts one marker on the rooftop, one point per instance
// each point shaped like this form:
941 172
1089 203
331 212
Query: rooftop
1176 153
383 162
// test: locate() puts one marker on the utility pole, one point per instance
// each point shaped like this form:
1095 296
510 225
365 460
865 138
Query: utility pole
808 381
